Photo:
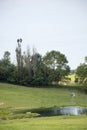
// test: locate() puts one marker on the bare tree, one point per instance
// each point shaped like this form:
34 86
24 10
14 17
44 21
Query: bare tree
19 58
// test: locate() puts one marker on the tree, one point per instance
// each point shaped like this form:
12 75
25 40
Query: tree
6 59
6 68
3 76
81 71
57 64
85 59
35 62
27 65
19 58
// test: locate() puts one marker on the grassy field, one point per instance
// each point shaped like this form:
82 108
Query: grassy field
13 97
27 97
47 123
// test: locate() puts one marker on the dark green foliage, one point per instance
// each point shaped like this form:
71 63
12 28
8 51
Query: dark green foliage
2 73
57 65
33 69
82 73
6 68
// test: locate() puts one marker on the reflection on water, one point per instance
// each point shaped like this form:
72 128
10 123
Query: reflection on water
55 111
70 110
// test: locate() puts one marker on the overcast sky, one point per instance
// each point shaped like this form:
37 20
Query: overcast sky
47 25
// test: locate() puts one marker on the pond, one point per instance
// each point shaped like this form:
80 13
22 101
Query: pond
55 111
70 110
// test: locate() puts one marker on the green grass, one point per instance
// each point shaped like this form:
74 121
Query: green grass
21 98
47 123
27 97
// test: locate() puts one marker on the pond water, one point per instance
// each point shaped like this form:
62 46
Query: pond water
55 111
70 110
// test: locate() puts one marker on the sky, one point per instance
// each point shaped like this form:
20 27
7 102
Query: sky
47 25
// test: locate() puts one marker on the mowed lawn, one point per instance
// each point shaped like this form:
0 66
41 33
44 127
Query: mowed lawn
28 97
47 123
15 97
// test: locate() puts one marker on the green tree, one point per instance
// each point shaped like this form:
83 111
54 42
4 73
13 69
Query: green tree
27 63
85 59
82 73
36 60
6 68
6 59
57 64
3 76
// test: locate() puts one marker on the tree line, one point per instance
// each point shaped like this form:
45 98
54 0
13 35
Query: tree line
33 69
81 72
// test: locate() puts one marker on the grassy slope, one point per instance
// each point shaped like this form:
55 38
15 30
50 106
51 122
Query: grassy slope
24 97
19 97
